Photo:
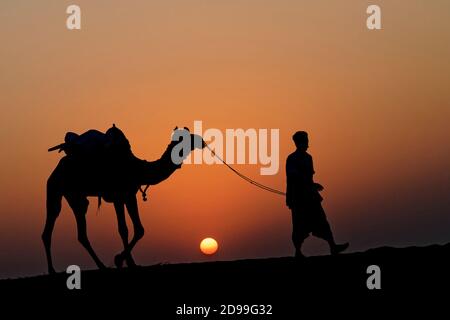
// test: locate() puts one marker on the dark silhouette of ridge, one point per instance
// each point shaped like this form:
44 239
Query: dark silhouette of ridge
411 278
408 270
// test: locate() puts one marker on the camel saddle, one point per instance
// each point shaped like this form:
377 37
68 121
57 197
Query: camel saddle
94 144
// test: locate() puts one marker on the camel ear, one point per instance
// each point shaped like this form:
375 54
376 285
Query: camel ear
186 128
176 128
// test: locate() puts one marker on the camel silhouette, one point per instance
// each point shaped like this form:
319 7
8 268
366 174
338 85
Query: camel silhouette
115 179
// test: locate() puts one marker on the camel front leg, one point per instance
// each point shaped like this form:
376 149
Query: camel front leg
123 231
133 212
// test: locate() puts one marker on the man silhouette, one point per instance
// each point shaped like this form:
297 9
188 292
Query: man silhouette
304 200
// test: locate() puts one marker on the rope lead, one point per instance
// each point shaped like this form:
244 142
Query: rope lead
255 183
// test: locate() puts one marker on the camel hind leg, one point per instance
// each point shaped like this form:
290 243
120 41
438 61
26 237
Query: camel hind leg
79 205
53 210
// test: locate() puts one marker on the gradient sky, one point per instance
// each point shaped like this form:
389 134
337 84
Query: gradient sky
375 103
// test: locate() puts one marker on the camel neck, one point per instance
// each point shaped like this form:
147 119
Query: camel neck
159 170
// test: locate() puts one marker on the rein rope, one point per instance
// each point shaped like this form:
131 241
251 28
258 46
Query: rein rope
251 181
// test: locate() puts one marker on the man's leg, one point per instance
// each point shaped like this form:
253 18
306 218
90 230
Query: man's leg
322 230
299 233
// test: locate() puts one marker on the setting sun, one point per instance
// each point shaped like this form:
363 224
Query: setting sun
209 246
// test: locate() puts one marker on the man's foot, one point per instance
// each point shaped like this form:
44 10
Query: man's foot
338 248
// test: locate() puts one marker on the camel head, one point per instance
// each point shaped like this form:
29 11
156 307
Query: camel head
184 141
196 140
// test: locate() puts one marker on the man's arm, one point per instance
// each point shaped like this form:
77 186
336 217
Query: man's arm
291 173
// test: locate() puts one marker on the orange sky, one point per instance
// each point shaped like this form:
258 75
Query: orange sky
376 105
